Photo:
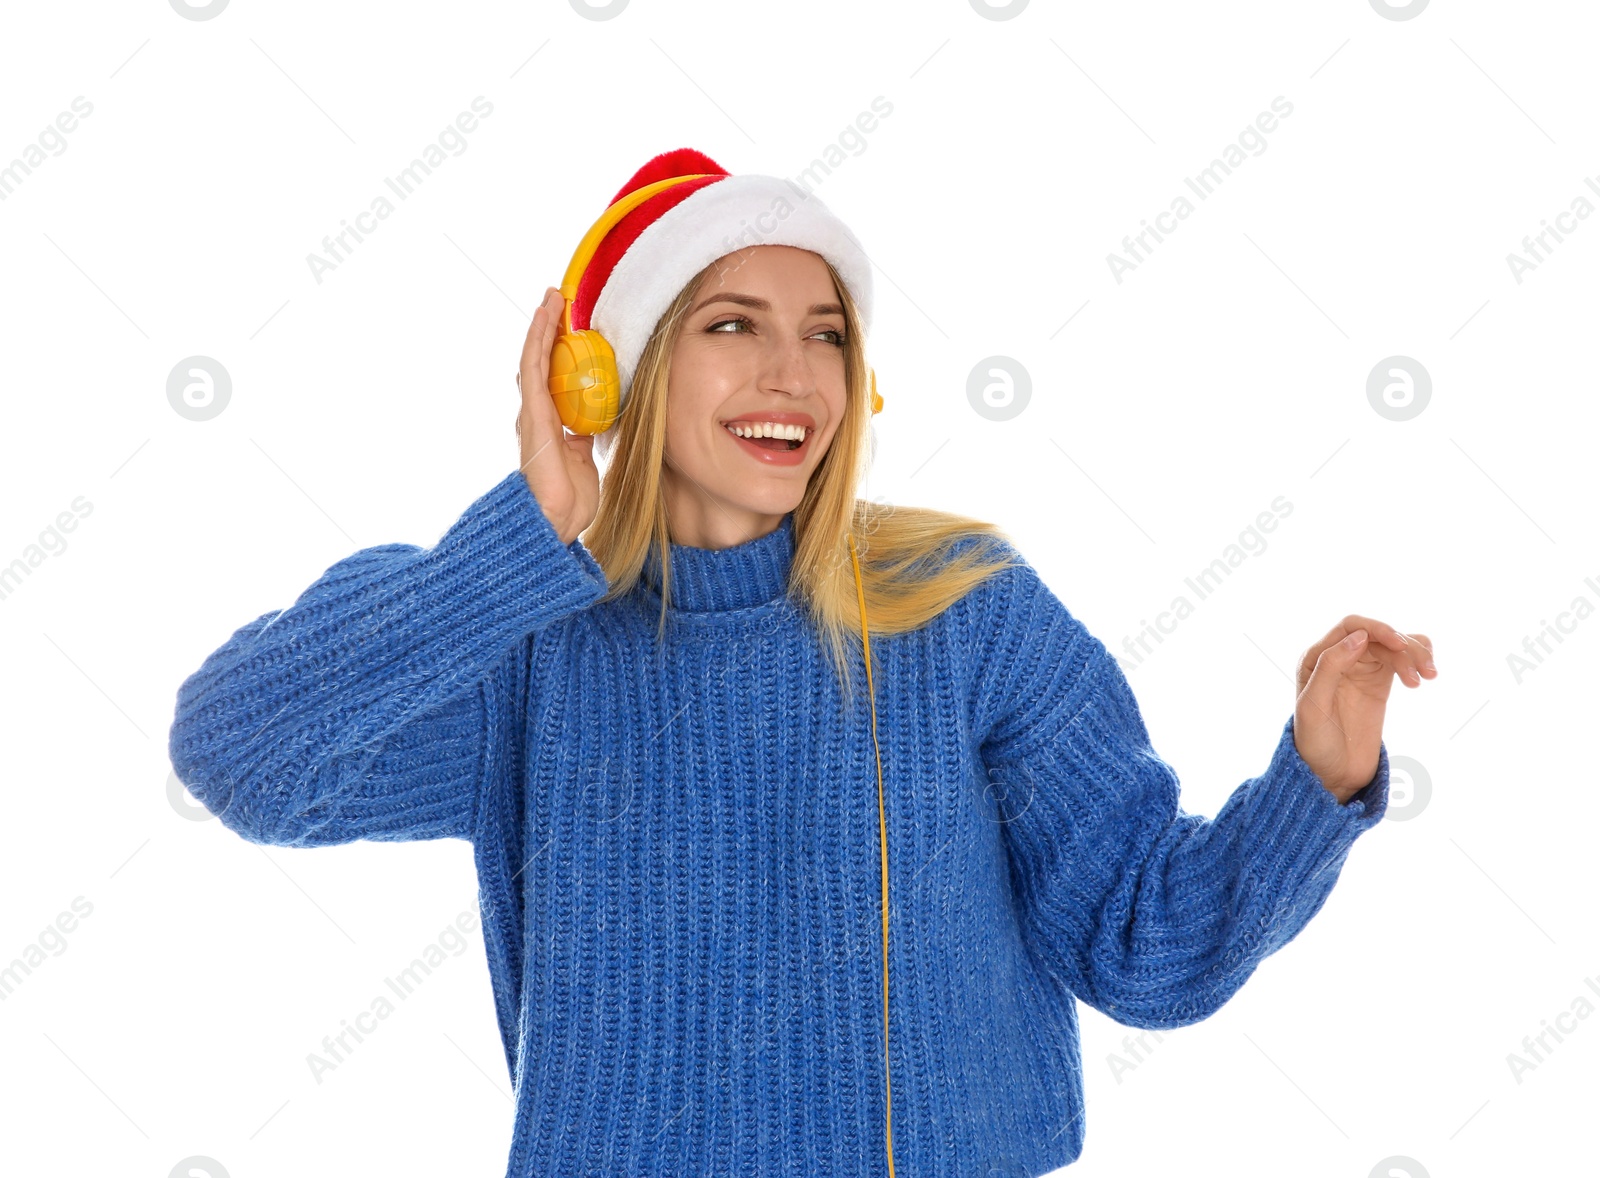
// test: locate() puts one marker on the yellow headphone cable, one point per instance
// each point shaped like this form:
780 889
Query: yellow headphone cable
883 852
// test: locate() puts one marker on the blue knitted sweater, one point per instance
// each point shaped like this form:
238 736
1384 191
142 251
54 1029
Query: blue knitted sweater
677 850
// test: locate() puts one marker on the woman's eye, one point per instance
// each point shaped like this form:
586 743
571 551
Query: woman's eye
741 322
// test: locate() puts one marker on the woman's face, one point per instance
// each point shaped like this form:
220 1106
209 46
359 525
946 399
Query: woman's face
763 343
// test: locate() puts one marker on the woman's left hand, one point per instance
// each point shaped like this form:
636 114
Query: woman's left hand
1342 689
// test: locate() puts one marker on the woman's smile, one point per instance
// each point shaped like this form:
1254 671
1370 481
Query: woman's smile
774 451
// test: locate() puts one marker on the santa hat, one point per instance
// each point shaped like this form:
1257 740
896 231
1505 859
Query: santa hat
649 255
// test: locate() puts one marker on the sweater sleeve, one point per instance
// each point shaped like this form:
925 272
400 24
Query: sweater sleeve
1153 916
358 711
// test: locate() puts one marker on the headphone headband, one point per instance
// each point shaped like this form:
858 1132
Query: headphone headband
591 240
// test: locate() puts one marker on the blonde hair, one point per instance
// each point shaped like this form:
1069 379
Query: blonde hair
910 570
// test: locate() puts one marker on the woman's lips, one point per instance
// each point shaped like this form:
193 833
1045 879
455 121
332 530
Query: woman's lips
773 457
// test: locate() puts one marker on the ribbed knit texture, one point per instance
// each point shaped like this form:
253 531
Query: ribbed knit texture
677 844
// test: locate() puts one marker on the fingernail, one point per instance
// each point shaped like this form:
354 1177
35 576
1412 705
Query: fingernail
1355 639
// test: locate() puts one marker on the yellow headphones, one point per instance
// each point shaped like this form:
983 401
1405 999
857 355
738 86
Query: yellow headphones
583 366
587 390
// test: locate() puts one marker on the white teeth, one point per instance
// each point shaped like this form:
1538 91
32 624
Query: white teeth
768 429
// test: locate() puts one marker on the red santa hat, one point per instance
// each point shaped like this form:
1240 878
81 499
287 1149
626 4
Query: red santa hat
649 255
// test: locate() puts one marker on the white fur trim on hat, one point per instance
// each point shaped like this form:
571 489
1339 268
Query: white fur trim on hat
709 223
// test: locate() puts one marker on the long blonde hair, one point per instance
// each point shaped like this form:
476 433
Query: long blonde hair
910 571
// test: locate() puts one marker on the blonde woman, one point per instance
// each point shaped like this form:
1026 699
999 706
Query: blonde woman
760 897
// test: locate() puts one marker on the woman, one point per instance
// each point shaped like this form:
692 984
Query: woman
754 901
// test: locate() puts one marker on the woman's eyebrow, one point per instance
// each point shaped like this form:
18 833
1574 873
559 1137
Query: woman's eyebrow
756 304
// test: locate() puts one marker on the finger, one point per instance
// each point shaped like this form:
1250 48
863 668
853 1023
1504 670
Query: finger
528 361
534 369
555 332
1426 664
554 304
541 332
1400 662
1421 659
543 443
1412 665
1410 655
1381 635
1377 631
1330 666
1340 631
1308 659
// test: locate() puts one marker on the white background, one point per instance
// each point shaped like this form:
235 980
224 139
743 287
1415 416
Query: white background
1228 369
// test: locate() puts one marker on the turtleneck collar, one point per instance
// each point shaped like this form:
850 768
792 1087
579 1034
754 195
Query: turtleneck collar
753 573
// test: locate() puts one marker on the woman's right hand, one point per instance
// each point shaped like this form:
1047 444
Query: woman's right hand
559 468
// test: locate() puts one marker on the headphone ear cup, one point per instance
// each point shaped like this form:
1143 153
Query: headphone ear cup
584 381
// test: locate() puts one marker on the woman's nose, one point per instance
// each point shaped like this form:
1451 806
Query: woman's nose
788 368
